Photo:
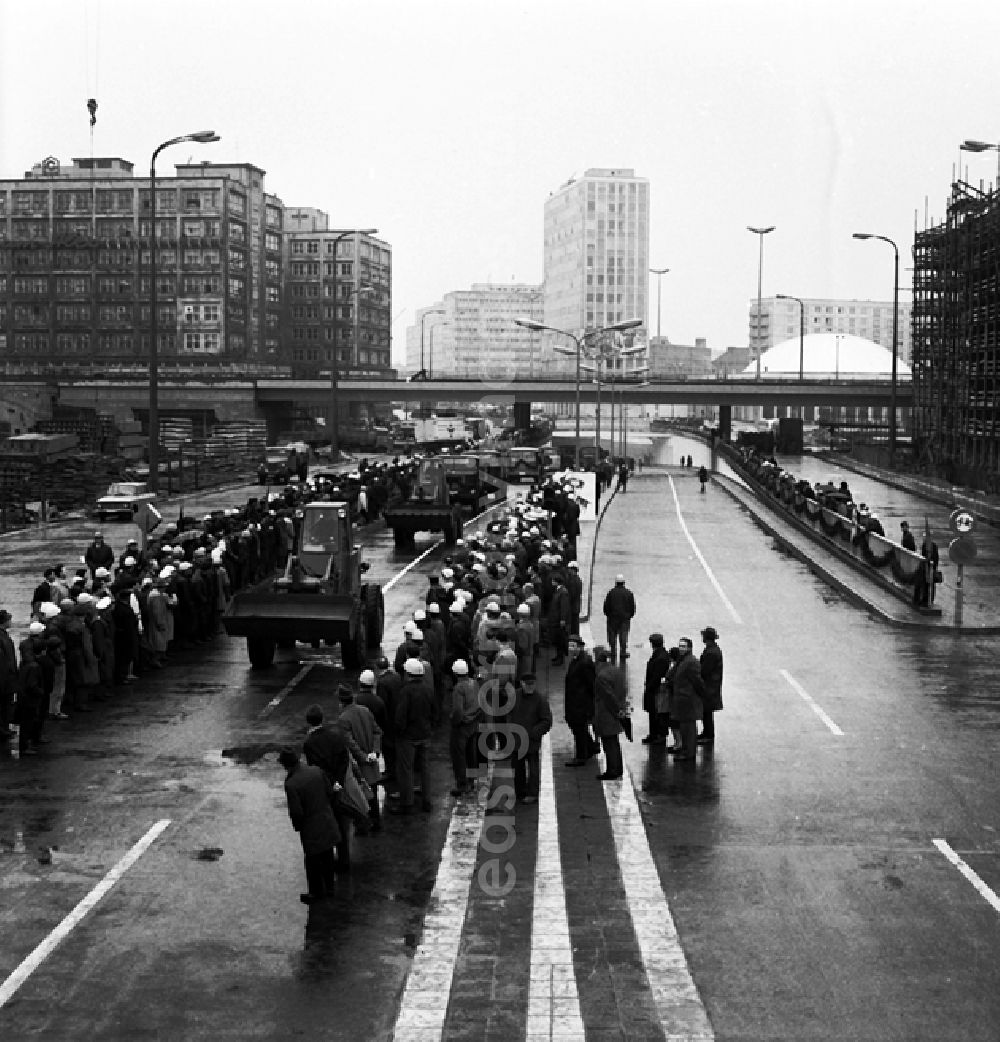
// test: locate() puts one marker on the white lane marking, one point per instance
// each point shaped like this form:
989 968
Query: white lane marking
553 1001
807 698
708 571
678 1004
286 691
982 889
682 1014
62 931
424 1006
399 575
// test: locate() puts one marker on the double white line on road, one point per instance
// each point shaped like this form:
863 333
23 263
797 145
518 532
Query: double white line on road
63 930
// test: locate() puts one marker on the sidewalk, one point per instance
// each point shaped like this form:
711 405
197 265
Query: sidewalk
984 506
981 615
981 607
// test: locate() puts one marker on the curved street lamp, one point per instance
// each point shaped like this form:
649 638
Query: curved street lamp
802 329
895 336
430 311
579 341
760 232
659 273
334 330
203 137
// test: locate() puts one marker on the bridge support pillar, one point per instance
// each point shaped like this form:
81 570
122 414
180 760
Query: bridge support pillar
725 424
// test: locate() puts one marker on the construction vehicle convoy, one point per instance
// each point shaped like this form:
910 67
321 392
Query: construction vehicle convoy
319 597
429 508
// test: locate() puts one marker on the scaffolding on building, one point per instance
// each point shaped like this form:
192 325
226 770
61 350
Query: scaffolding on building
956 340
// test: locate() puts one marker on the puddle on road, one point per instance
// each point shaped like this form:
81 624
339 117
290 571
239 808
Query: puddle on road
244 755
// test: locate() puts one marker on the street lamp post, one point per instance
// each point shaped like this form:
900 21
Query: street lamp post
335 332
802 330
579 341
895 338
202 137
423 318
659 273
760 232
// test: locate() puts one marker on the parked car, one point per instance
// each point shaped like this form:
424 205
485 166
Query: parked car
123 500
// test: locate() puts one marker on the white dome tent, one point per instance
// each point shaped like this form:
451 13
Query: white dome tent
827 356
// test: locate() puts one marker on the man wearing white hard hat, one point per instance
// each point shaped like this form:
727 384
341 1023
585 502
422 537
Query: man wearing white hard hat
465 714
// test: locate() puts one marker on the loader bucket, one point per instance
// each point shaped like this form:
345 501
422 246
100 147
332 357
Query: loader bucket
284 616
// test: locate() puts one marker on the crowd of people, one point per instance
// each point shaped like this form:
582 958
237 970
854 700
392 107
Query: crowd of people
466 661
839 499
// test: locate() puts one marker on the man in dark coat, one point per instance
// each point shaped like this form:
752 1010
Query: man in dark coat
8 677
308 792
531 713
619 609
579 700
685 700
99 554
574 586
415 712
711 675
387 687
656 672
559 619
609 705
331 749
31 700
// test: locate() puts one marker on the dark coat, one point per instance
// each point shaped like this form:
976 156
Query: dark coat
414 710
711 675
656 671
619 603
387 688
531 712
579 690
560 610
329 750
308 792
609 699
686 691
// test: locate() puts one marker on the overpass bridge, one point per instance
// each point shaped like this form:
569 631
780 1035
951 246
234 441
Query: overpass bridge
277 400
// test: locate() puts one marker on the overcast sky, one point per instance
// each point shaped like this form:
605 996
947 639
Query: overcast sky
446 124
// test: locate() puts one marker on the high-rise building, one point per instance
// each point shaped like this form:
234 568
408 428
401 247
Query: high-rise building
956 346
871 319
75 261
337 287
472 333
596 252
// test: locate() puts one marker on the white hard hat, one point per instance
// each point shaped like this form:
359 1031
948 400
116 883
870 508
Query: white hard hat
460 666
414 667
367 678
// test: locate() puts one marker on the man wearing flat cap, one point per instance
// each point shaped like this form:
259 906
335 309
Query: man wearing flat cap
711 675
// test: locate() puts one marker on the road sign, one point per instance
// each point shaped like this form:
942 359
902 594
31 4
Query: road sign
962 550
962 522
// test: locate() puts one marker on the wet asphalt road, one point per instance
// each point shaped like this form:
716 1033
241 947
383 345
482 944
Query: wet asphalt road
799 864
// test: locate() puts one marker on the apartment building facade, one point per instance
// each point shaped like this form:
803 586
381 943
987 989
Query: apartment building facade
872 319
337 293
473 333
75 264
234 287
